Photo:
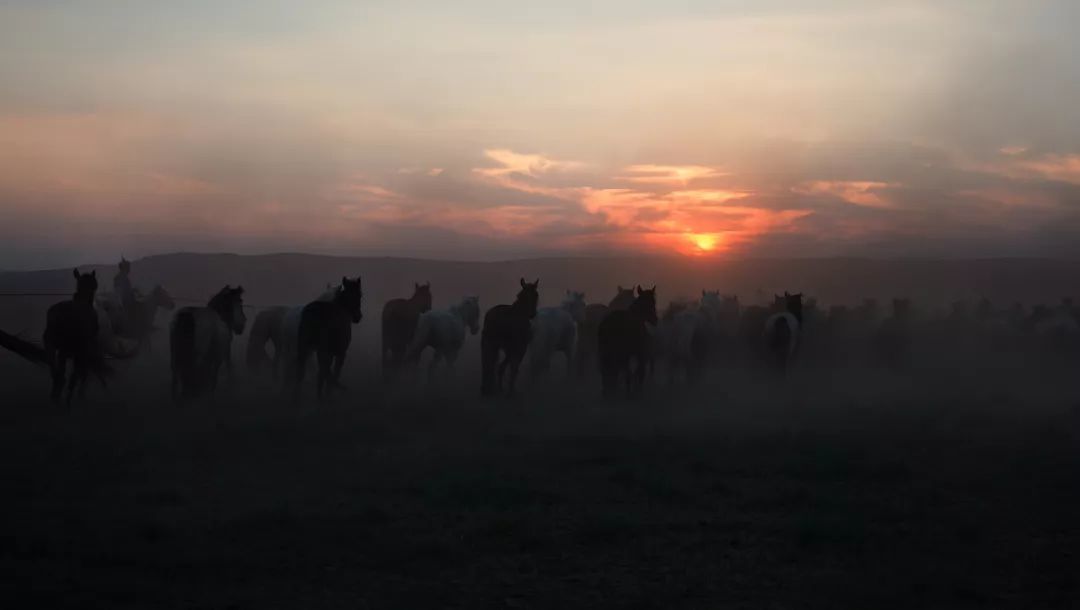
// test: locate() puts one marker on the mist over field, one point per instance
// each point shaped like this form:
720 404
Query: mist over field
948 481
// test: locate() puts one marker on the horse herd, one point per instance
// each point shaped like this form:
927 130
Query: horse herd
622 340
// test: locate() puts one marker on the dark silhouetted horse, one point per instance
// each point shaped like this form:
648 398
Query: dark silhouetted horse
623 337
507 329
594 314
200 341
268 327
783 330
326 328
71 332
399 317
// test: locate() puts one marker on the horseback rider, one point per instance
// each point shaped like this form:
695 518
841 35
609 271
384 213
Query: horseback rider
123 291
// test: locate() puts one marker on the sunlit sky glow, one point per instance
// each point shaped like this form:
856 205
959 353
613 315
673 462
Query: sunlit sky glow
487 130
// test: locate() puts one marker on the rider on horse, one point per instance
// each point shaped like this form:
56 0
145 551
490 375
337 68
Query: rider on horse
123 292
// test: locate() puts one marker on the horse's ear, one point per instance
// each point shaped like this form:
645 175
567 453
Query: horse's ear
93 273
704 292
76 273
416 285
536 284
344 280
522 282
639 290
239 290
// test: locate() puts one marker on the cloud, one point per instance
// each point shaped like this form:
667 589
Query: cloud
856 192
668 175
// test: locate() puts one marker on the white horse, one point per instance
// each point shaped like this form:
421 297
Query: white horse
444 331
784 329
200 341
555 329
687 336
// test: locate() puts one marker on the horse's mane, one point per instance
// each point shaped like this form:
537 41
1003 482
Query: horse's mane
223 300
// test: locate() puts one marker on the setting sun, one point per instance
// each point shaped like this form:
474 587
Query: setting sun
704 242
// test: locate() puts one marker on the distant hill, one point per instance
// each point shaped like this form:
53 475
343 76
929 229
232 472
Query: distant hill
296 278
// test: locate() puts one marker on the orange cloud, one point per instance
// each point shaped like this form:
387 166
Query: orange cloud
857 192
668 175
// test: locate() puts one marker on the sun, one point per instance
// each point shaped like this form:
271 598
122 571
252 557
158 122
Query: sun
704 242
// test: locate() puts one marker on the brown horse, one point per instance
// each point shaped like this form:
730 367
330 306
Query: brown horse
326 329
507 329
594 314
623 336
399 317
71 332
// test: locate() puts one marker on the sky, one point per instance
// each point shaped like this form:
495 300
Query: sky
480 130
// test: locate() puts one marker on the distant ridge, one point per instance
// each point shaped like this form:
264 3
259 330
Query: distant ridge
291 277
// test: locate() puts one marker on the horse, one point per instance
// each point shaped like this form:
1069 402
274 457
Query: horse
594 314
285 357
71 332
326 328
268 327
443 330
555 330
783 329
399 318
623 336
200 341
688 334
507 329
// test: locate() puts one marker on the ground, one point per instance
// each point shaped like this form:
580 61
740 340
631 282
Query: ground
797 493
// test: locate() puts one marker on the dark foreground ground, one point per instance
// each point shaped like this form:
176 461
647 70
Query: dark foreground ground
946 493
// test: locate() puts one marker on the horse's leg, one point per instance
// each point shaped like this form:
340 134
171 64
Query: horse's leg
77 371
450 356
301 366
59 366
434 364
323 380
502 372
514 364
338 363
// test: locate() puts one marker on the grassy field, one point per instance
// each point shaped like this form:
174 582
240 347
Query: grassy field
815 493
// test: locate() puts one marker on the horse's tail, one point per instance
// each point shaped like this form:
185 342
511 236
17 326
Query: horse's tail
30 351
260 334
182 346
489 354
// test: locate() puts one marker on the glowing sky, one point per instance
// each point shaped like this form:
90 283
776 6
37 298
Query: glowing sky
476 129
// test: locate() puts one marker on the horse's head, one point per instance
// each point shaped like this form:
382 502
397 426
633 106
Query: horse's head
124 266
623 298
574 304
645 304
528 297
229 305
163 299
350 296
85 284
710 301
470 309
793 304
422 296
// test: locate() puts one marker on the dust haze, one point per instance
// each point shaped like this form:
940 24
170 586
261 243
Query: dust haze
931 462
